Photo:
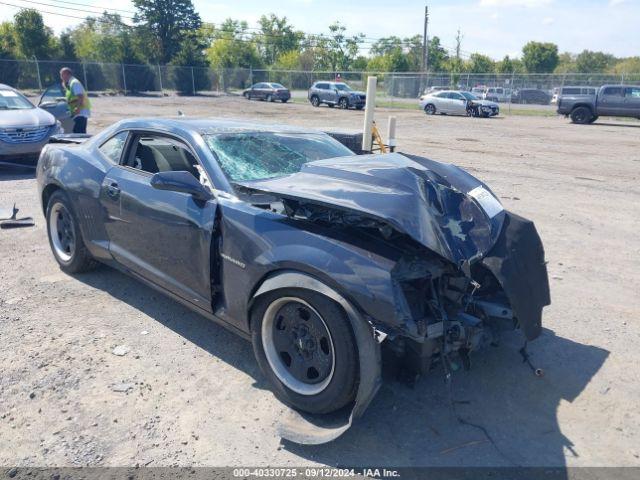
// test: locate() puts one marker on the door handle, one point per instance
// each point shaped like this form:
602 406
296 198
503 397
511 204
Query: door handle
113 190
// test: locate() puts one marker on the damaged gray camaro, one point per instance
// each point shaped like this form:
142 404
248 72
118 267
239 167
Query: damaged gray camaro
321 257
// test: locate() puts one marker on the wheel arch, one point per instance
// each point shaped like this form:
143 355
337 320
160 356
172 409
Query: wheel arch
47 192
300 429
579 105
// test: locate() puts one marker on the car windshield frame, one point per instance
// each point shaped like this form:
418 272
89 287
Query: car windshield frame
277 86
7 94
469 96
255 156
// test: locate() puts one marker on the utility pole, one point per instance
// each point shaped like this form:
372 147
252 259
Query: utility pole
425 41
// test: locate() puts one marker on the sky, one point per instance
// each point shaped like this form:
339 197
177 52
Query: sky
491 27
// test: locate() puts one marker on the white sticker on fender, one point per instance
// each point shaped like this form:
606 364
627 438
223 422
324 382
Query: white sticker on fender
487 201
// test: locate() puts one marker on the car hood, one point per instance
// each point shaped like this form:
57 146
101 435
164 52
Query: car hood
357 92
486 103
439 206
31 117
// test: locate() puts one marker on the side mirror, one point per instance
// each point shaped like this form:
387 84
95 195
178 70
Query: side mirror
181 181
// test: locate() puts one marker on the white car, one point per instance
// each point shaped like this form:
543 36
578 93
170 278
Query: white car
24 128
497 94
456 102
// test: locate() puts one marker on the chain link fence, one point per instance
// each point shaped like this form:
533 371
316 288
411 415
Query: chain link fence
394 89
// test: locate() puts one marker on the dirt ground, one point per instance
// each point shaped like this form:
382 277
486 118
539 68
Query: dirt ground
190 393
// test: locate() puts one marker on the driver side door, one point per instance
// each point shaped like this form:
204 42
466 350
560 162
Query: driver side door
53 101
163 236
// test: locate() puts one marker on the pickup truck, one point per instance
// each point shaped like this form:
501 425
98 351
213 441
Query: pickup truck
610 100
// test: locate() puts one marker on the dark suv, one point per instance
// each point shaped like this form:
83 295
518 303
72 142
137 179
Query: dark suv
336 93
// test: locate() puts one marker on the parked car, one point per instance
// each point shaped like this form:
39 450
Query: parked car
287 238
457 102
336 93
24 128
436 88
479 90
497 94
585 105
531 96
570 91
267 91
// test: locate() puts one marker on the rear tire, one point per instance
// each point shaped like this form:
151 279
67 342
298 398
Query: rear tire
430 109
315 101
65 237
304 345
593 119
581 115
247 95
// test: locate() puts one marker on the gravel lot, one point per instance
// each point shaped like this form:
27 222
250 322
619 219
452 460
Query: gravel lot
187 392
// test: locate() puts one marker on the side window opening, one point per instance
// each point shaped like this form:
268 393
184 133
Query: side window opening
157 153
112 148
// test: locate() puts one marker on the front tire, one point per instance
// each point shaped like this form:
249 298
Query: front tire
269 98
65 238
343 103
581 115
304 345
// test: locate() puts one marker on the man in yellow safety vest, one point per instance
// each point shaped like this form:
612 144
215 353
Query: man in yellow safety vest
77 100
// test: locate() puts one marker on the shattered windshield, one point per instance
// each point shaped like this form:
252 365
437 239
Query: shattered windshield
261 155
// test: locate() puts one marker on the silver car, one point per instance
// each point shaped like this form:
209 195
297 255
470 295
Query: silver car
457 102
24 128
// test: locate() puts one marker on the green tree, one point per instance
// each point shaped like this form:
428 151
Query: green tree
566 63
438 56
9 71
338 50
629 65
33 37
276 37
68 47
190 55
480 64
170 21
539 57
594 62
233 47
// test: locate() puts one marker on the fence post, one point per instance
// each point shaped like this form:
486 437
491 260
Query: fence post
124 79
513 74
193 82
160 80
622 78
84 75
250 75
38 72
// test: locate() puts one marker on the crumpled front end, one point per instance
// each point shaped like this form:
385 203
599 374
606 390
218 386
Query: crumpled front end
463 268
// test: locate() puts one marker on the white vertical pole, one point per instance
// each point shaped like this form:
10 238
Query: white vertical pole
369 110
84 75
160 80
38 71
124 79
391 133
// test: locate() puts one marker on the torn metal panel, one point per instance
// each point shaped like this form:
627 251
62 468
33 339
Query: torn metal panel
427 201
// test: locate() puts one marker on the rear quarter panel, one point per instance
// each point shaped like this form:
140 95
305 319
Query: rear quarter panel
78 170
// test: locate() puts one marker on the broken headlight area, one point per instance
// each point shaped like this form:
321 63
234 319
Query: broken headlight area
453 314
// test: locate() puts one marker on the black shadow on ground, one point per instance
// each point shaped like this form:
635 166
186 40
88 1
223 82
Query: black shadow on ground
10 173
509 415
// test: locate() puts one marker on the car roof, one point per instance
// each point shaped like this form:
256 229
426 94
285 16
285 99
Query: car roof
210 126
5 87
